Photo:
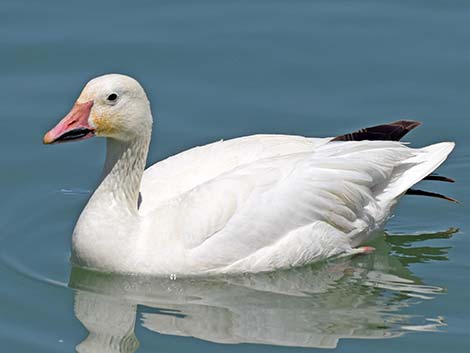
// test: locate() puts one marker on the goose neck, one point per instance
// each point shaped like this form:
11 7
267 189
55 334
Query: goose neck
124 167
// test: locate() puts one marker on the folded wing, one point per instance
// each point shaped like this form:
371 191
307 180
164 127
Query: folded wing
343 190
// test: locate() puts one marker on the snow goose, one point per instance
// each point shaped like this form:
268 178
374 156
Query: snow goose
250 204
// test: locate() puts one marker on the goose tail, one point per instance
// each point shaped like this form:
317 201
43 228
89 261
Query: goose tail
424 162
427 160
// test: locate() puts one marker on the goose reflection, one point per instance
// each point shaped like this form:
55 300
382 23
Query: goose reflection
315 306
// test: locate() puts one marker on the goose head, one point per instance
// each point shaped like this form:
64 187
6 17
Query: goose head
113 106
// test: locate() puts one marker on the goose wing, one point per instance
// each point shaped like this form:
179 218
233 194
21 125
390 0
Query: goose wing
184 171
306 205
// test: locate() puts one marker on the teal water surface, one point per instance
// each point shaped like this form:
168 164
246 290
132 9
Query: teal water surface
221 69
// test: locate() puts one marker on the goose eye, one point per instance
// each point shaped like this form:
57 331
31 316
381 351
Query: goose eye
112 97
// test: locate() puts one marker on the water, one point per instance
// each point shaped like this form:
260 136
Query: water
218 70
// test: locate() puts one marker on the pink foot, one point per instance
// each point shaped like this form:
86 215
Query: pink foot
366 249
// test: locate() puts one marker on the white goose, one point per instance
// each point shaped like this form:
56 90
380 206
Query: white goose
251 204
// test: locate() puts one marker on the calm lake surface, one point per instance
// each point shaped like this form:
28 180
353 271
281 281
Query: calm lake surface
216 70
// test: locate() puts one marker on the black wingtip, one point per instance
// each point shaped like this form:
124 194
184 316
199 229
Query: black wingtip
408 124
392 132
435 177
430 194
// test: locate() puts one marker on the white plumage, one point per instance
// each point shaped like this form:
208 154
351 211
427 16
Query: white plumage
255 203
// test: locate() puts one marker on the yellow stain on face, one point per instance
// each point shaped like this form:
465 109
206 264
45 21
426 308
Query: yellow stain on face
104 125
